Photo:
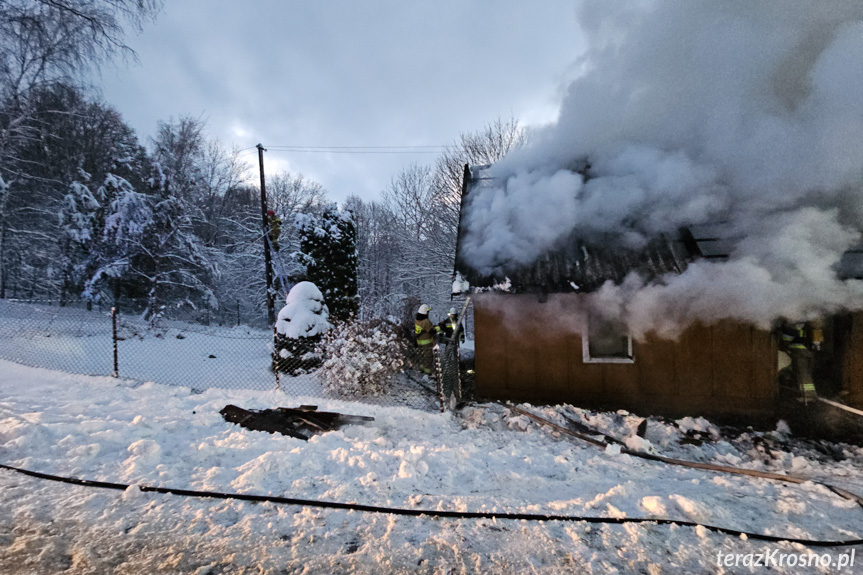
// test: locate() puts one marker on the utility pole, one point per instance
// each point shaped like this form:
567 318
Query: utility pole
271 316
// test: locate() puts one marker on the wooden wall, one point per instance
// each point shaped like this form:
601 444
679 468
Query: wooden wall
850 358
532 351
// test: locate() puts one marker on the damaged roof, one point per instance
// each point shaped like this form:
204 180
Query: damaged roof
851 264
577 265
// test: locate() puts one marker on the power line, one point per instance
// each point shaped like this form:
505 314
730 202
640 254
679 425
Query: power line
351 147
397 149
337 151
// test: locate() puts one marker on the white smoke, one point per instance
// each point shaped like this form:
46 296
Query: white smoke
694 112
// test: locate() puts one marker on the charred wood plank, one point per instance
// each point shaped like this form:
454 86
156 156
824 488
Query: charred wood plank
299 422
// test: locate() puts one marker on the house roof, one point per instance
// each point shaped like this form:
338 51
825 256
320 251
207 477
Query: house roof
576 265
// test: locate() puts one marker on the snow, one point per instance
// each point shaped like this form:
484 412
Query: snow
78 340
305 313
479 459
460 285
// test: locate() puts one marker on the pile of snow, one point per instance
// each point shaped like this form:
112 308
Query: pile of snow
305 313
481 459
699 426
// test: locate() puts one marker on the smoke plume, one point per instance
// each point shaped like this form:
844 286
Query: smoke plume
747 113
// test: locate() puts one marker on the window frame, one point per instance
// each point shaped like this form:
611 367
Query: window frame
587 358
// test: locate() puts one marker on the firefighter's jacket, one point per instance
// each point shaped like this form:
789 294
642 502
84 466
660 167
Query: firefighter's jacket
275 227
425 330
449 326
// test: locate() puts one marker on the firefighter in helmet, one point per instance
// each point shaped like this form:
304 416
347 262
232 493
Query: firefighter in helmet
448 325
425 332
800 341
275 225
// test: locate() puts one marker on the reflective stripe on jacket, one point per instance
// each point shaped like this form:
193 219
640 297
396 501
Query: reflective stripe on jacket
424 331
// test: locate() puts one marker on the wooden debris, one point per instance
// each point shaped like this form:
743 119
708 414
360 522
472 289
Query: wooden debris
301 422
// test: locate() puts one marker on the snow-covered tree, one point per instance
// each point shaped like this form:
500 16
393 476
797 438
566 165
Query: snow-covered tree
299 328
129 216
46 46
147 249
77 221
328 253
72 141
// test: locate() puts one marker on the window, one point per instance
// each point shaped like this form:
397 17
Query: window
606 342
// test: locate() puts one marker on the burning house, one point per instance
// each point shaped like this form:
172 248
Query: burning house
695 209
550 330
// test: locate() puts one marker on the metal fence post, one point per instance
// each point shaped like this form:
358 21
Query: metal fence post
438 376
238 313
275 361
116 372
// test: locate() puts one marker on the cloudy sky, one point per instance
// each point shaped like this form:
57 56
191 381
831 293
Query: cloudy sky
371 73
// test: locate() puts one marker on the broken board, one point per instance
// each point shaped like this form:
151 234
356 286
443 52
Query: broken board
301 422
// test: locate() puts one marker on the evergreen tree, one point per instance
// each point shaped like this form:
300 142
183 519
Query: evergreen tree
77 221
328 252
176 264
127 217
147 249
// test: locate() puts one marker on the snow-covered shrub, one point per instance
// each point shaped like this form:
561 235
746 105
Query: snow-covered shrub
361 358
299 327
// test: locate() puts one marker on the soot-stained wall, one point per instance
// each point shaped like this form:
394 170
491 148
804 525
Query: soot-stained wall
531 350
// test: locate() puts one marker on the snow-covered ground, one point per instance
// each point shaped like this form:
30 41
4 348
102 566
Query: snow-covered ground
79 341
480 459
74 340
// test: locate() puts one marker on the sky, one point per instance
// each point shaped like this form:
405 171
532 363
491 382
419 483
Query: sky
374 73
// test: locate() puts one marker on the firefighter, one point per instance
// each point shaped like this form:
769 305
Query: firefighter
799 340
449 324
425 333
275 225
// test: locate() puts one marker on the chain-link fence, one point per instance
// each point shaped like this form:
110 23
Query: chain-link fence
94 340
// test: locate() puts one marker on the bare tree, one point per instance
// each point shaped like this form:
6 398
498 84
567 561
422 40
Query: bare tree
222 174
43 42
378 247
406 243
52 40
475 148
290 194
